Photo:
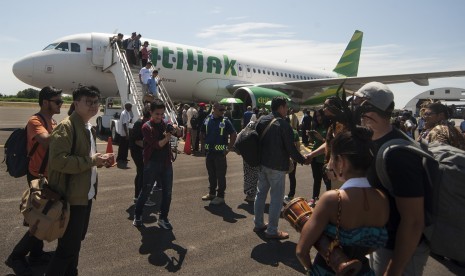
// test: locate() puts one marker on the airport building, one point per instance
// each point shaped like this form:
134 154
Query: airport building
450 96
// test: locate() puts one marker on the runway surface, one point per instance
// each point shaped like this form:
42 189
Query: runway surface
206 240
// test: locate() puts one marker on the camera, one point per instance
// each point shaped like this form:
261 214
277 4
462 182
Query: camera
170 128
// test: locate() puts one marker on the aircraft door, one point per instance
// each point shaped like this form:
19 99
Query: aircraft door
99 43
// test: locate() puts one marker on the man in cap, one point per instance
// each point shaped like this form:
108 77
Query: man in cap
406 252
125 119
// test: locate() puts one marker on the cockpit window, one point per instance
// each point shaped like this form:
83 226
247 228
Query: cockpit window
50 47
75 47
63 46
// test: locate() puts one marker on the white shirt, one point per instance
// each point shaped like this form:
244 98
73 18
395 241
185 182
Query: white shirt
145 74
125 118
191 112
357 182
93 176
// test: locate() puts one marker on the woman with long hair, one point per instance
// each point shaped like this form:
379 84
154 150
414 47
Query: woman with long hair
354 215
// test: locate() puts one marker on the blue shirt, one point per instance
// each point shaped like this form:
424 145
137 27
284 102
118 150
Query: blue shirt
246 117
152 83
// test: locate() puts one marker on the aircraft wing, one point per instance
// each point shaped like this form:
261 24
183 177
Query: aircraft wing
316 86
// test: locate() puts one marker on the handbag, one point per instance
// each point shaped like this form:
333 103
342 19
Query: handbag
46 212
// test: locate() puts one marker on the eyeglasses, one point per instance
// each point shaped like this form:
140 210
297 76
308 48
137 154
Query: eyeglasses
57 102
92 103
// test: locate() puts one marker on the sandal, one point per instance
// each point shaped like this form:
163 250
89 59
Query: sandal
280 236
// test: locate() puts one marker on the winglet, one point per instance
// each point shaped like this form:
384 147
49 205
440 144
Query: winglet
348 64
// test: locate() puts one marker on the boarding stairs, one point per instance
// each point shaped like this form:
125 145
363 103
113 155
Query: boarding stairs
129 87
130 90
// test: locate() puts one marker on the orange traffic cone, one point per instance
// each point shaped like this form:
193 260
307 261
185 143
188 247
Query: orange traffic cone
109 152
187 144
109 145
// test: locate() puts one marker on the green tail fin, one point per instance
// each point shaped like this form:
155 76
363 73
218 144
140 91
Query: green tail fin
348 64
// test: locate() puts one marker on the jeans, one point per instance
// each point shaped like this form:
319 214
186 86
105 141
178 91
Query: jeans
66 258
156 171
273 181
381 257
136 154
216 167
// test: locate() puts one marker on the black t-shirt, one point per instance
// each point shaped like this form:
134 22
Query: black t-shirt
136 134
408 179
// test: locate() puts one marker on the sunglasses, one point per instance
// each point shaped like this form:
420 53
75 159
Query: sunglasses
428 113
57 102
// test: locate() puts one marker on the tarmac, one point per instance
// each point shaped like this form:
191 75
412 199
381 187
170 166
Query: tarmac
206 240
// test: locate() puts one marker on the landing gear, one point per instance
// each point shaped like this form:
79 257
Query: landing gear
114 135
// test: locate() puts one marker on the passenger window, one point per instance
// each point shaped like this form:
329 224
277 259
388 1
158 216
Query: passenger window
63 46
75 47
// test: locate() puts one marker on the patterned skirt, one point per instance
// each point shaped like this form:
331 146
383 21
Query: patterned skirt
250 179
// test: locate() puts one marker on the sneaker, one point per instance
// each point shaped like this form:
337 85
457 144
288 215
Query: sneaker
208 197
217 201
149 203
165 224
311 203
288 198
42 259
250 199
19 266
137 222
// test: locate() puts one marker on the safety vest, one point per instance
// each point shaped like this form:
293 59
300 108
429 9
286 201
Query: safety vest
217 146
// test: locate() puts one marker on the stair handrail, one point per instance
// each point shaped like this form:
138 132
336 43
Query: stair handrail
132 87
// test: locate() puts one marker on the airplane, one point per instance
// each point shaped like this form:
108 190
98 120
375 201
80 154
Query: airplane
196 74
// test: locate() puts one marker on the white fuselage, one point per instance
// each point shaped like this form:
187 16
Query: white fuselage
188 73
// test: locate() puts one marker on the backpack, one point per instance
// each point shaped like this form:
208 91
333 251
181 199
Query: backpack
445 168
194 121
16 155
125 43
247 144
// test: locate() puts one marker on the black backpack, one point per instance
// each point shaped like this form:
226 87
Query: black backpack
16 155
125 43
194 121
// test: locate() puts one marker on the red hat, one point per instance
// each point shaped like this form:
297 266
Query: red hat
201 104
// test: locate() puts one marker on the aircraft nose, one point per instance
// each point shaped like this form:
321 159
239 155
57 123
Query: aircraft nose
23 68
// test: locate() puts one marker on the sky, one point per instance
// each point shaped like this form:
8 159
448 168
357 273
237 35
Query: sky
400 36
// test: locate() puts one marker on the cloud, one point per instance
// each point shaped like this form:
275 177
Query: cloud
225 30
9 39
216 10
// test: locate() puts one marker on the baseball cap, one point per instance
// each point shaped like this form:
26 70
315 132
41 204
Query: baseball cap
377 94
201 104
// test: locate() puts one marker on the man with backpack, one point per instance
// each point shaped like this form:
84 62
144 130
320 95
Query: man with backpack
406 251
39 127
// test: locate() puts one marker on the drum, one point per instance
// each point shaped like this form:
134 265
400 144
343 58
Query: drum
297 212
